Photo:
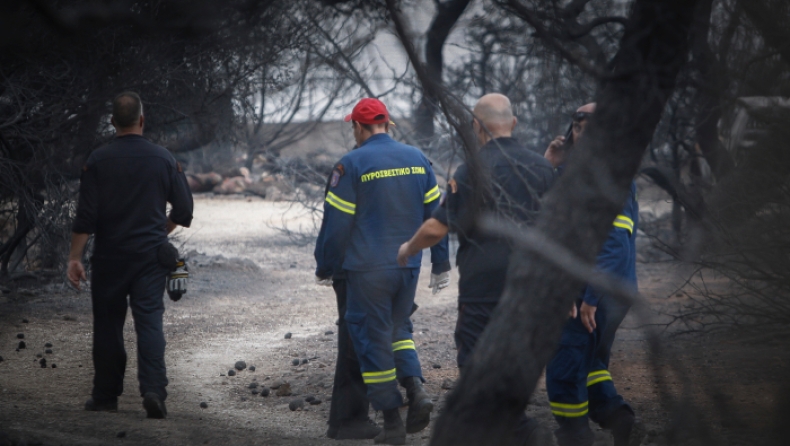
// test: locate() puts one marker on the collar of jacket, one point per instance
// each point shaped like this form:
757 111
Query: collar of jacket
130 136
504 142
378 137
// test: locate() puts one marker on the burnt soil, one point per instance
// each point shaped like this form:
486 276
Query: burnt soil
251 284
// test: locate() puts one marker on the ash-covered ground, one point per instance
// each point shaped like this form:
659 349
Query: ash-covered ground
252 283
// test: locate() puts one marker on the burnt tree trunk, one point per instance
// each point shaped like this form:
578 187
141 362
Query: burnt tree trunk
447 14
709 95
578 213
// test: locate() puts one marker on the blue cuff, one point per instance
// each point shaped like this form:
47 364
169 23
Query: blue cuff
441 267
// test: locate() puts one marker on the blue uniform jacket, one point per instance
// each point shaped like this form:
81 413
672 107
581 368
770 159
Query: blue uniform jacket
378 196
618 256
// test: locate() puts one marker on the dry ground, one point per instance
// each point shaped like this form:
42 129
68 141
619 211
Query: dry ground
240 309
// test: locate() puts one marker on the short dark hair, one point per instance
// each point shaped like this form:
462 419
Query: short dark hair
369 127
127 109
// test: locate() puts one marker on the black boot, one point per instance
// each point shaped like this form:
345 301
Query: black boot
95 405
355 430
574 432
420 405
626 429
154 406
529 432
394 432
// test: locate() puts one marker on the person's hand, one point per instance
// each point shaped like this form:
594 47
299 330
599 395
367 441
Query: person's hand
76 273
439 281
587 313
555 153
573 313
323 281
403 254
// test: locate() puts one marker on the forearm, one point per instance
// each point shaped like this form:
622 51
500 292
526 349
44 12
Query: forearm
170 225
430 233
78 242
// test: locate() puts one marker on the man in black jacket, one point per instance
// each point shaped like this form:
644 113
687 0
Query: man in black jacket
124 191
518 178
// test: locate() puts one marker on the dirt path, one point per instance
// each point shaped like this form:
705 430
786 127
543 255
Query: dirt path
241 309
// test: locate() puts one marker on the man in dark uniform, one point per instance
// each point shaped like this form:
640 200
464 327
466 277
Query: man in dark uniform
519 177
379 195
348 413
124 191
578 382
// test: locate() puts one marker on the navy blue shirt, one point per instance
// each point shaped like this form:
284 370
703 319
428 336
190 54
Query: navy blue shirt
378 196
618 255
440 252
519 177
124 191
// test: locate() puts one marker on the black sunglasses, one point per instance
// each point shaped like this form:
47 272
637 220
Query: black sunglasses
580 116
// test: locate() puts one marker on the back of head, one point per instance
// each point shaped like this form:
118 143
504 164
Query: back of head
495 112
126 109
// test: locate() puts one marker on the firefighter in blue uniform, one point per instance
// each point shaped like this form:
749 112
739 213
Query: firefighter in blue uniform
348 413
379 194
578 381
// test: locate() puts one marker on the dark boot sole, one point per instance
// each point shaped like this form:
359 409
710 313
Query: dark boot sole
540 436
105 407
418 419
344 434
638 433
391 440
154 408
635 436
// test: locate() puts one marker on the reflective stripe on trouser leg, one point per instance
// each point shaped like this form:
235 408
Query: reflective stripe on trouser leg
406 344
370 320
598 376
406 360
378 377
569 410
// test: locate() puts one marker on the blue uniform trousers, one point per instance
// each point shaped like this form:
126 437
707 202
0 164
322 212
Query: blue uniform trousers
378 309
578 382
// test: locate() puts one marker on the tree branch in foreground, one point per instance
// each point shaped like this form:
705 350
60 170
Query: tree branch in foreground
521 337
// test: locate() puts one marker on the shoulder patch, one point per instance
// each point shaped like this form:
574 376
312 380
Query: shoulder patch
335 178
453 186
340 169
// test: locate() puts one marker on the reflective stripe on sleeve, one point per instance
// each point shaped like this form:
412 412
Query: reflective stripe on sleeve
379 377
406 344
569 410
598 376
432 194
341 204
624 222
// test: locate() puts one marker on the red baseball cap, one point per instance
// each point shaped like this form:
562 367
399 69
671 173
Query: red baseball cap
369 111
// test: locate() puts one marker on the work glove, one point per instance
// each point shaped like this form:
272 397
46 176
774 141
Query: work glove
439 281
323 281
177 281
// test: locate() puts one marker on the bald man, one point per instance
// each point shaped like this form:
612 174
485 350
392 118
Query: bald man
519 178
578 381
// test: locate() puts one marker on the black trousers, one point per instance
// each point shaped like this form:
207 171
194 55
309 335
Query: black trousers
472 320
349 393
143 281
